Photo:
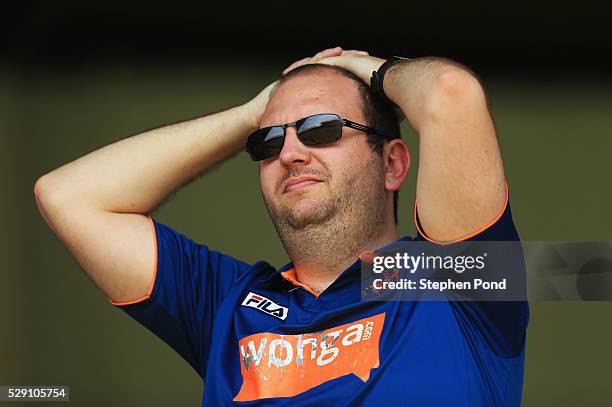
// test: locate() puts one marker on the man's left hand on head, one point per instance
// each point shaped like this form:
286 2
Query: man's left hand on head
358 62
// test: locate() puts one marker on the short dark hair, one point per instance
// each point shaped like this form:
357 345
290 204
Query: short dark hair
378 114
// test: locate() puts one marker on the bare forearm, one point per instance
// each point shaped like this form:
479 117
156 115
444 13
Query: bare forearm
418 85
96 205
460 186
135 174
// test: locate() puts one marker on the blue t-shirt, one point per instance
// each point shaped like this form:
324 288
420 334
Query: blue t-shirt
257 336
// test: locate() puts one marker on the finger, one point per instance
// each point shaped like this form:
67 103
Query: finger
356 52
328 60
296 64
328 52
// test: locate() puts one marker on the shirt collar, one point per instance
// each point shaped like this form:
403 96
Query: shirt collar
288 272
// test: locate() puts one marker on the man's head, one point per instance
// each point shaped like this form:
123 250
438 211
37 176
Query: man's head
353 180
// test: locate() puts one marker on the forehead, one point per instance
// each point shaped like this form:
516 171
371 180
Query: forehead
309 93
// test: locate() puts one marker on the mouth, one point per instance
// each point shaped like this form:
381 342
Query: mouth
294 184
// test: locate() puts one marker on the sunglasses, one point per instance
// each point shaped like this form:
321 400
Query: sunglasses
315 130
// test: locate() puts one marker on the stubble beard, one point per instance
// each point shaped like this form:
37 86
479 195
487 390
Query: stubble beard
334 227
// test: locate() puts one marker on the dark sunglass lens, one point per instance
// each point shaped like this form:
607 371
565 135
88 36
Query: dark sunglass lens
320 129
265 143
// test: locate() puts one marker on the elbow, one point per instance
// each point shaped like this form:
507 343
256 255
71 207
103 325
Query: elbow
454 89
41 192
55 195
46 194
457 82
40 186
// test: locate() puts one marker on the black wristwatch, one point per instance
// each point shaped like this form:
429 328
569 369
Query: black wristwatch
378 76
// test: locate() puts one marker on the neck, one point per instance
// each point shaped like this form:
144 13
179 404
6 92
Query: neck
320 253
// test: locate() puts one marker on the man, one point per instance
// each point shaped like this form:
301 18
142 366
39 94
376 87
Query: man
330 163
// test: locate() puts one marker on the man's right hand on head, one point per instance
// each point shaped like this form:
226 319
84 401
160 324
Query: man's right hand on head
256 107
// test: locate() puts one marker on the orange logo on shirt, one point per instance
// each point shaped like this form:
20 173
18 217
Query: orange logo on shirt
275 365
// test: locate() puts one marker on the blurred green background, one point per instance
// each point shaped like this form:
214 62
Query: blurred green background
56 328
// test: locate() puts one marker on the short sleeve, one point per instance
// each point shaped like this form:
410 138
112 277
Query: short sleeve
189 285
501 325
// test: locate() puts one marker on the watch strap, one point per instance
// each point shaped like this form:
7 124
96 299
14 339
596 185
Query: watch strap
378 76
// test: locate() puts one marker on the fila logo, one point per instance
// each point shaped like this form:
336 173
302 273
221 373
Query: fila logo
266 305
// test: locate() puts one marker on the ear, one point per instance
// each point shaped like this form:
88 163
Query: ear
397 164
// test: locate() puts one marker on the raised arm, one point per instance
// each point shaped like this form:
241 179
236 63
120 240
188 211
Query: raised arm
97 204
461 182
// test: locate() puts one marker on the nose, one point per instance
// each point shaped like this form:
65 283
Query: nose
293 153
